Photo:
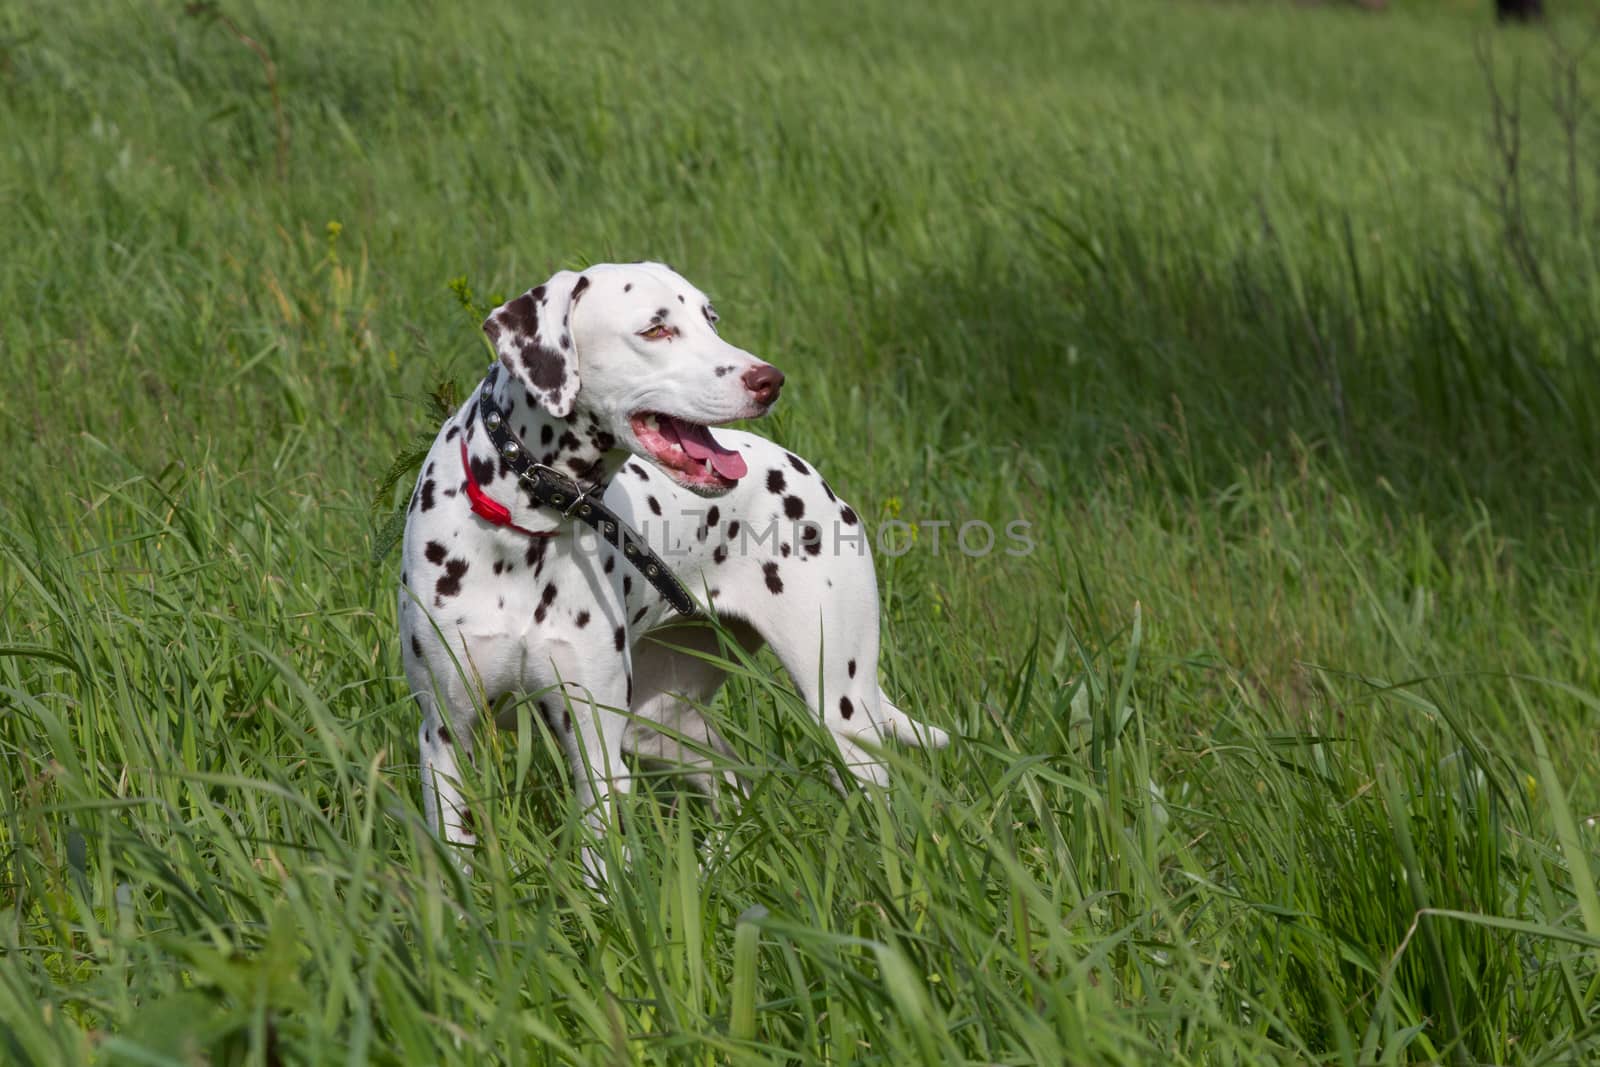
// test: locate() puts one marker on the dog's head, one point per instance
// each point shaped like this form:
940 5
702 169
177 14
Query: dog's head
636 346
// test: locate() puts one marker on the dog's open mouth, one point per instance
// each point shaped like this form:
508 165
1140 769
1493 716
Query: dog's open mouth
688 450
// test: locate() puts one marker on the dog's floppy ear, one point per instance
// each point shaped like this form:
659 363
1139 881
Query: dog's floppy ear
533 337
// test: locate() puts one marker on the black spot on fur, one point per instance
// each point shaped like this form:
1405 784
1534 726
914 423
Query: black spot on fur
568 442
544 367
482 470
547 434
434 552
714 516
733 529
628 288
579 286
680 298
449 583
826 488
846 708
719 554
611 564
643 474
535 553
850 668
450 434
627 585
469 821
566 719
581 619
784 550
794 461
518 316
641 613
416 647
545 600
499 565
811 538
620 637
775 482
655 505
774 583
847 514
444 735
630 689
794 507
427 495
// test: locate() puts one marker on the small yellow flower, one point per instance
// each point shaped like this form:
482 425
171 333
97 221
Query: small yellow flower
335 228
892 506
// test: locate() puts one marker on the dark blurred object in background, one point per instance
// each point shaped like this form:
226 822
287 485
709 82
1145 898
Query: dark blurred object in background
1520 10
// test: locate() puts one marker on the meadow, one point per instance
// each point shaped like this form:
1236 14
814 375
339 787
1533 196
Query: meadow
1280 747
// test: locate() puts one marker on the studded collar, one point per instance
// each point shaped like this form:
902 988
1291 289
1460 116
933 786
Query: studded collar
549 488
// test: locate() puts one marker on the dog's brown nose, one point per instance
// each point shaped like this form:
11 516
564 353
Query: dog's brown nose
764 382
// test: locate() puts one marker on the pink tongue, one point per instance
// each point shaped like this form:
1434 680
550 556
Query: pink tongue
700 445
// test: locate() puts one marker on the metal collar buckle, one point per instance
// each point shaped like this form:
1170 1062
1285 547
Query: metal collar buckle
564 488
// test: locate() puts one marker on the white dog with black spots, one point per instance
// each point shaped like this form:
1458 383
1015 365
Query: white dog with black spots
615 375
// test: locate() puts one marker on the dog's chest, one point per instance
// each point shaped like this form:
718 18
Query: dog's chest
553 586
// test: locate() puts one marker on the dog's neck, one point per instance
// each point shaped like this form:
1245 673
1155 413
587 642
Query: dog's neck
576 446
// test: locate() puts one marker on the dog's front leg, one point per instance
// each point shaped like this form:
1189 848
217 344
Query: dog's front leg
590 721
442 799
446 742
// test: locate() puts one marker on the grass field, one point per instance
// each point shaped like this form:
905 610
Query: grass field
1280 748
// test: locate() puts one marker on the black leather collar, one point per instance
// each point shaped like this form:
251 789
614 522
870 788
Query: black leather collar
549 488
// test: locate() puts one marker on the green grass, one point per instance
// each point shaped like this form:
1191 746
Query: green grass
1281 747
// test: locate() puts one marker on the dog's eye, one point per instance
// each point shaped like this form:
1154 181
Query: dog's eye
656 332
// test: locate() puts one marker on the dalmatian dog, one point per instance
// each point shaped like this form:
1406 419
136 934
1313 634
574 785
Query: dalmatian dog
613 376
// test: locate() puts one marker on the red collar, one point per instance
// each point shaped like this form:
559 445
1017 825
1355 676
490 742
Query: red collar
488 508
